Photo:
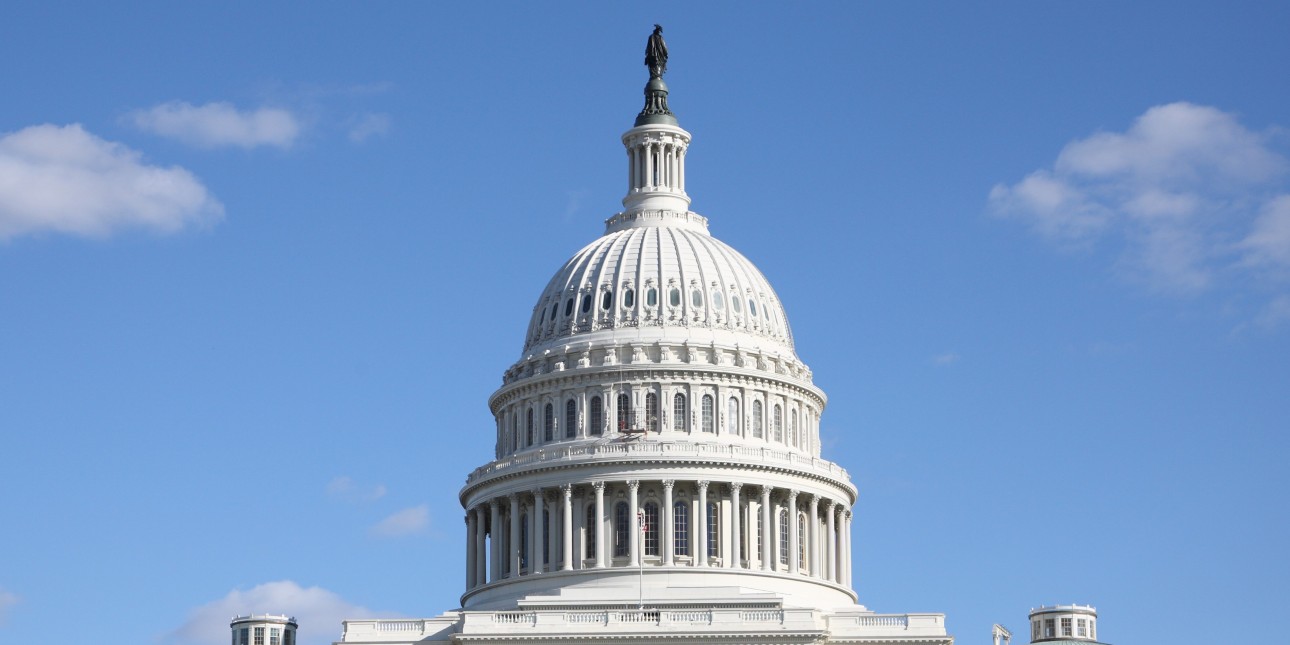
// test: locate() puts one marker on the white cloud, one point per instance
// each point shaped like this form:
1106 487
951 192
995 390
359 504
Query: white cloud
369 126
219 124
7 600
945 359
345 488
1187 195
409 521
317 611
64 179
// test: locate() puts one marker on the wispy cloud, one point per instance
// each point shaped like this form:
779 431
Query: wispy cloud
347 489
945 359
215 125
319 613
1191 199
65 179
7 600
368 126
409 521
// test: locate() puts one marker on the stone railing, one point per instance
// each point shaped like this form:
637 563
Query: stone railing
646 450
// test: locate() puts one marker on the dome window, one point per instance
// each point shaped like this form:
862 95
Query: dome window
542 319
752 307
568 307
735 304
586 303
607 300
674 297
651 297
718 302
629 298
696 298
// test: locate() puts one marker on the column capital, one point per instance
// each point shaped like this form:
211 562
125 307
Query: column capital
567 489
735 486
668 484
815 499
831 505
633 484
766 490
702 484
599 486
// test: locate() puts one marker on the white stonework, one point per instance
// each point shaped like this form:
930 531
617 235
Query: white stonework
659 381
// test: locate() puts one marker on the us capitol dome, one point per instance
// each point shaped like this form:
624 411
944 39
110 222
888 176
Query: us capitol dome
657 469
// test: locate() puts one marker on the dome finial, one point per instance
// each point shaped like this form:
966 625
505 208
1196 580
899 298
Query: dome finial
655 110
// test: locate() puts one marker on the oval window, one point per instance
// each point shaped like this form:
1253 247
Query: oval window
543 318
607 300
586 303
651 297
629 298
718 302
734 304
752 307
554 307
568 307
674 297
696 298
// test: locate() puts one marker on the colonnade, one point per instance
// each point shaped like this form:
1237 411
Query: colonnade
654 164
670 523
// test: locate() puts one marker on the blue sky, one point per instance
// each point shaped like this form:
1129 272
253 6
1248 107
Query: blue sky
261 266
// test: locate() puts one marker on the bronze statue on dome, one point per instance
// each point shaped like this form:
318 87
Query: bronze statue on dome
656 53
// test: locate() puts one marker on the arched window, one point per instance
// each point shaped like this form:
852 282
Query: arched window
570 419
546 536
732 417
515 432
622 529
548 423
651 528
528 436
714 529
705 408
801 542
680 413
779 424
792 428
624 411
592 526
597 416
651 412
757 420
524 541
783 537
681 520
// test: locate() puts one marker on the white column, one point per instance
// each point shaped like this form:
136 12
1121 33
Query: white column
566 520
794 546
633 529
600 524
536 540
481 557
648 153
669 523
700 525
514 546
846 539
831 544
495 541
681 169
736 518
470 550
813 537
767 530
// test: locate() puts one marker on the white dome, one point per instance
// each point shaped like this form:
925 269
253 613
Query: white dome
659 275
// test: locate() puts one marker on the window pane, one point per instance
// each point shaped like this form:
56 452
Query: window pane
708 422
570 418
607 300
629 298
651 528
679 412
651 412
674 297
597 416
681 517
548 423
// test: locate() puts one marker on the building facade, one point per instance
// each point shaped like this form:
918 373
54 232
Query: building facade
657 469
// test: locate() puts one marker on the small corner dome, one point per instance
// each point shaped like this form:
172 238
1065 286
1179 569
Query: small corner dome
659 277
